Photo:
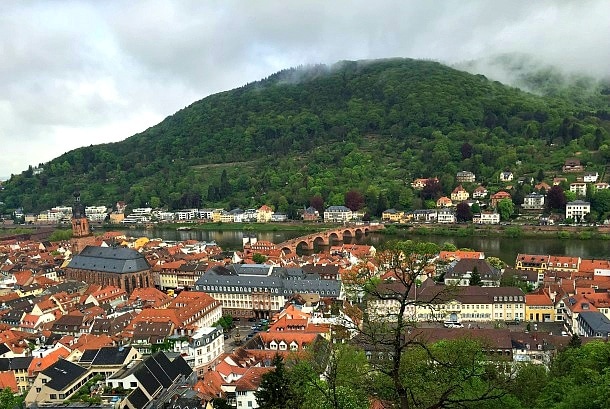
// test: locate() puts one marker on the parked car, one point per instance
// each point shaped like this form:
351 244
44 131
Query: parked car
452 324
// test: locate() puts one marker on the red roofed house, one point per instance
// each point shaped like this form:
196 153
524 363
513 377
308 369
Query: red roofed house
8 380
496 197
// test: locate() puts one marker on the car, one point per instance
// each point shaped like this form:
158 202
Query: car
452 324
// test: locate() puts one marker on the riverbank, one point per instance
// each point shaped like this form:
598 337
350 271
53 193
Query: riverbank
508 231
254 227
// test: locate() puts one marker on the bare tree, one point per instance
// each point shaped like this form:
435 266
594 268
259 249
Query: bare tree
391 330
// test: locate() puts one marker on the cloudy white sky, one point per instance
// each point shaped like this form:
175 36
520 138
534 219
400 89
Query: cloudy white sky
75 73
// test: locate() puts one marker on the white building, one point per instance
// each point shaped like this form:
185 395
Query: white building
579 188
187 215
445 216
486 218
533 201
96 213
577 210
337 214
590 177
203 349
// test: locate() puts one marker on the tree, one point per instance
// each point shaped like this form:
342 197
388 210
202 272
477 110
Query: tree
466 150
495 262
463 213
540 175
556 198
8 400
354 200
334 376
406 260
476 208
408 363
432 190
475 277
506 208
258 258
276 390
317 203
449 247
575 342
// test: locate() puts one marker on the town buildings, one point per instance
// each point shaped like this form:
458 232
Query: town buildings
255 290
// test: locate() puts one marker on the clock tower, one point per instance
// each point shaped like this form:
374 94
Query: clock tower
81 232
80 224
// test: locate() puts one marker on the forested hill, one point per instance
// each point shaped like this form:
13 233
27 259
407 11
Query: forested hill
369 126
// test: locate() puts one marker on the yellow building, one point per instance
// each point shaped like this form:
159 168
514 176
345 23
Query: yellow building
539 308
392 215
263 214
532 262
217 215
459 194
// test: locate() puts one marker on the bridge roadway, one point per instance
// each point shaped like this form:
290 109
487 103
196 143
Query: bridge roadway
327 237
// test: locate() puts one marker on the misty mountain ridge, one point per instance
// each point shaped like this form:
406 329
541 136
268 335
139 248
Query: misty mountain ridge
531 74
370 126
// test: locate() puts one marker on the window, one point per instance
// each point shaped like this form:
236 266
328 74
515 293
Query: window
249 403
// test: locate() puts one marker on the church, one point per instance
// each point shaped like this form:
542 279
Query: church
117 266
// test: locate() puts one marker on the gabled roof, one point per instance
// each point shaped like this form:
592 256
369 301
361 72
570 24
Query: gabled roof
112 355
8 380
250 381
62 374
109 259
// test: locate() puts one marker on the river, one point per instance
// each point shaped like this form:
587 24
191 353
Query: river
502 247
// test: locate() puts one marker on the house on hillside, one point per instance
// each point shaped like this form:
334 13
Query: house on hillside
263 214
465 176
506 176
444 201
580 188
573 165
479 193
496 197
590 177
459 194
533 201
577 210
311 214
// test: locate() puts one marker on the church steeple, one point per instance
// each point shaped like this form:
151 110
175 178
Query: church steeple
80 224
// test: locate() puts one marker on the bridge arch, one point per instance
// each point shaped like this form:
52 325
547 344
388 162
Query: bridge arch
303 244
319 241
334 236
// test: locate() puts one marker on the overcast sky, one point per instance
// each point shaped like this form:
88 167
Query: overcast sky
76 73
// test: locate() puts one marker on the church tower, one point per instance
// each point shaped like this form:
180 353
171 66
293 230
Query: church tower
80 224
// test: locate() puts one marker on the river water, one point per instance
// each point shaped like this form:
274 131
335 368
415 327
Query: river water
502 247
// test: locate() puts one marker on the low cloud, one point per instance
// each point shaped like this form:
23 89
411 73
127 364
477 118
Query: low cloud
81 73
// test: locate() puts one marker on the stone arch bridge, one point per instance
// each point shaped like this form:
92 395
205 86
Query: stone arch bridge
327 237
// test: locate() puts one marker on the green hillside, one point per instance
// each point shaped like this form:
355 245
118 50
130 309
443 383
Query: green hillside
369 126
